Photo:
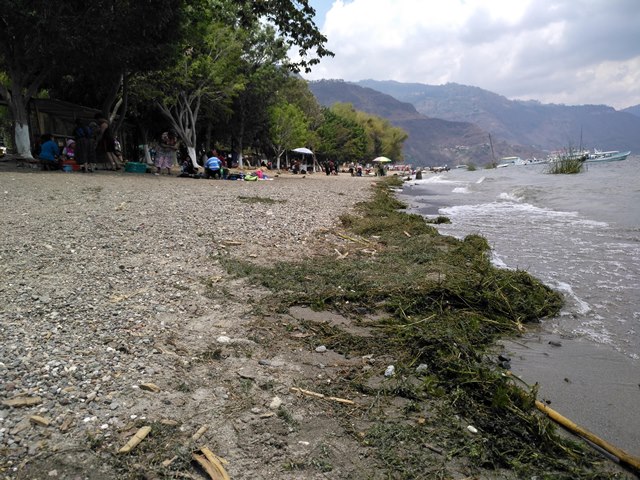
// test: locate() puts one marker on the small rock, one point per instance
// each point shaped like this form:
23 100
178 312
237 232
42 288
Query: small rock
223 339
390 371
275 403
472 429
321 349
423 367
554 343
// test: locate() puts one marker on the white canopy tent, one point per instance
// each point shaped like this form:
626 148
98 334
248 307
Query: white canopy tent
305 151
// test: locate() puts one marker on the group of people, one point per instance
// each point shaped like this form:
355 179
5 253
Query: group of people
88 144
355 169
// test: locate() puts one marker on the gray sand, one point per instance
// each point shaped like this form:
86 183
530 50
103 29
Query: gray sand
592 385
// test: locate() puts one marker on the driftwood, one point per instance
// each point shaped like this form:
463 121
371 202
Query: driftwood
623 456
135 440
341 255
356 240
38 420
320 395
211 464
149 387
196 436
22 401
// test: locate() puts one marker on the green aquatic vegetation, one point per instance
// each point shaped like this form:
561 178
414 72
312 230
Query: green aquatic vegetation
439 302
569 161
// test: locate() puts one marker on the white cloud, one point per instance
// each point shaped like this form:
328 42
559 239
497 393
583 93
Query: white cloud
570 51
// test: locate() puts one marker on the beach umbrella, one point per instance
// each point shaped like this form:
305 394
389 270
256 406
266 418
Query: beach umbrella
304 150
382 160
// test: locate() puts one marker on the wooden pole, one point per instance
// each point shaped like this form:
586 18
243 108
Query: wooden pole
623 456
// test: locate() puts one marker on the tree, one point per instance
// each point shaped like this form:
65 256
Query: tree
206 71
383 139
288 128
108 38
341 138
211 67
263 52
28 33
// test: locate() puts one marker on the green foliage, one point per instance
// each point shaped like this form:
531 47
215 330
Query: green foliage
288 127
351 135
341 138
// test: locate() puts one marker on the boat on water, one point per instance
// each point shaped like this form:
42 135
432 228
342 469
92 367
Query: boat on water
508 161
610 156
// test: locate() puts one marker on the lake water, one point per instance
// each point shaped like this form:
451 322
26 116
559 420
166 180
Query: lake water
579 234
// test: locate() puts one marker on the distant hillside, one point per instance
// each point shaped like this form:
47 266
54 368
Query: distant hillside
530 123
635 110
432 141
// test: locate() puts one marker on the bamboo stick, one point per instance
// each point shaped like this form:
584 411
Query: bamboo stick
321 395
623 456
135 440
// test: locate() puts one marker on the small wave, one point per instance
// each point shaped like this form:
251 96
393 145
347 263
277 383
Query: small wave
496 261
464 190
509 197
582 306
481 179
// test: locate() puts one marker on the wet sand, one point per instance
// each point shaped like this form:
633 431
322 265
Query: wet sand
591 384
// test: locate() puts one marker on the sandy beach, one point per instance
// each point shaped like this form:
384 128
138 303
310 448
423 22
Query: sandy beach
117 314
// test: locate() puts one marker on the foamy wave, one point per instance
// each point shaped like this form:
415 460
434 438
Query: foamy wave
464 190
481 179
599 336
509 197
509 207
496 261
440 179
582 306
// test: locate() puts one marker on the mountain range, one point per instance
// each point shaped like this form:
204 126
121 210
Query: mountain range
453 124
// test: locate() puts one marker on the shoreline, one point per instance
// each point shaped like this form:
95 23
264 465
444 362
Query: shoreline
120 312
586 382
581 379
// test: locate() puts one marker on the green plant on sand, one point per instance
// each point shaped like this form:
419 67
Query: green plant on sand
443 305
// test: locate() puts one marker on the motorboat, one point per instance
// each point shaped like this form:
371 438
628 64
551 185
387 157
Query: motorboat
609 156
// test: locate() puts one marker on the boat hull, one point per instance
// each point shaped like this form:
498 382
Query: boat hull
607 157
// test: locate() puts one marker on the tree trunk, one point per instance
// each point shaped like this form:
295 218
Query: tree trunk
22 135
192 156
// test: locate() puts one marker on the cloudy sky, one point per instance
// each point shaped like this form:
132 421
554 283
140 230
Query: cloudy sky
554 51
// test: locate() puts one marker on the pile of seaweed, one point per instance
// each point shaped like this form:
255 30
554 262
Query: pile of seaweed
440 305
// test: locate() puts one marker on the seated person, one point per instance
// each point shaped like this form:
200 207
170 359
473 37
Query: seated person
49 153
69 151
213 166
187 169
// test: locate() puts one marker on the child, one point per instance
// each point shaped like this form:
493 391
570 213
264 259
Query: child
69 151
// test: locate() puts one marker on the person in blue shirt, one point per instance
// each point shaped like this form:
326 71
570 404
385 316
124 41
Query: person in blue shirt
213 166
49 153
